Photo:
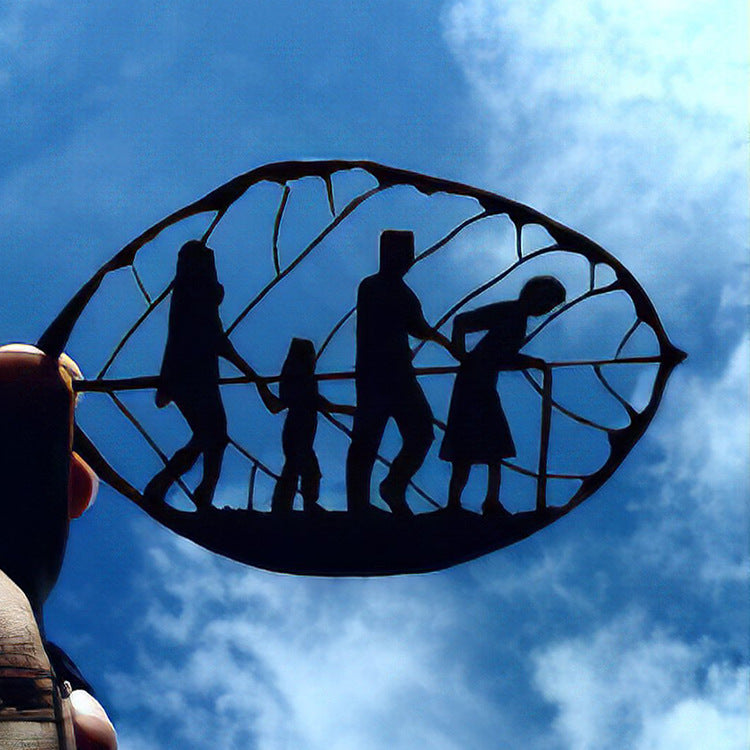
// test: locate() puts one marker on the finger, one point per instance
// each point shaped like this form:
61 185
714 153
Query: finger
93 729
83 486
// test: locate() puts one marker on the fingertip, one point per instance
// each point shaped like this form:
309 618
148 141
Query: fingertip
84 486
93 729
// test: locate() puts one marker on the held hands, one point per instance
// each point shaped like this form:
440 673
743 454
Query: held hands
325 405
272 402
455 348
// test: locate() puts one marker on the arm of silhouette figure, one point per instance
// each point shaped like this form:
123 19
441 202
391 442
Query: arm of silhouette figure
527 362
483 318
458 337
270 401
329 406
488 316
421 329
446 343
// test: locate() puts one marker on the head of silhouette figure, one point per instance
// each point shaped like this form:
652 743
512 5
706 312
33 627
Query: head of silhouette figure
396 252
301 356
44 484
299 367
196 270
541 295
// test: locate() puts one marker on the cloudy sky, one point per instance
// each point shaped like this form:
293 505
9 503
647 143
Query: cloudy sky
622 626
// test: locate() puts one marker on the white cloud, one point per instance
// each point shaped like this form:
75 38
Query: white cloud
662 53
550 582
697 521
236 658
630 687
240 658
596 62
627 123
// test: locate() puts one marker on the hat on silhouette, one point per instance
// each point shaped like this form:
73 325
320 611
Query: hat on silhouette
396 250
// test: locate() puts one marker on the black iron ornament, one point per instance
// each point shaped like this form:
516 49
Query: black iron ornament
370 318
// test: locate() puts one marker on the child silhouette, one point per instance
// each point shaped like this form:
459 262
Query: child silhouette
298 393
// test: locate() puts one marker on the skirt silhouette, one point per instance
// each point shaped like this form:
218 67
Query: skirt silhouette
477 431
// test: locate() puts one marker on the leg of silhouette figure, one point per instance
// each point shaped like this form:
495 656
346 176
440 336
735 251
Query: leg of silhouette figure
282 500
310 485
459 477
212 460
208 421
182 461
367 432
492 504
414 421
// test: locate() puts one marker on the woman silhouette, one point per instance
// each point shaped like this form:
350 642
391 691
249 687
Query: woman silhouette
190 372
477 431
298 392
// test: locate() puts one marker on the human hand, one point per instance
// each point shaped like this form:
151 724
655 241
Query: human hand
44 485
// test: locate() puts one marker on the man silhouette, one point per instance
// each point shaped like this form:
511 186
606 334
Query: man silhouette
388 312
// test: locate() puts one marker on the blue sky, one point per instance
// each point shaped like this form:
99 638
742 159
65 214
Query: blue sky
622 626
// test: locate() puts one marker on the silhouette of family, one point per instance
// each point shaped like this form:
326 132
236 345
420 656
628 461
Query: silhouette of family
298 393
388 313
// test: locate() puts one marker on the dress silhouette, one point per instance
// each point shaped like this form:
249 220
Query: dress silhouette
189 374
477 431
388 312
298 392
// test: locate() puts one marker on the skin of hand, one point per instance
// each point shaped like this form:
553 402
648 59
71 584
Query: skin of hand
45 485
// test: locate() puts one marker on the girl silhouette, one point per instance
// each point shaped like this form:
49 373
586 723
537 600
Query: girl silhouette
190 372
477 431
298 393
